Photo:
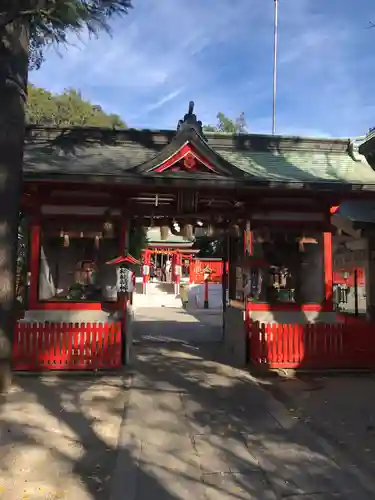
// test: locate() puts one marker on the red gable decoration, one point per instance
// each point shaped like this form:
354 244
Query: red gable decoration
186 160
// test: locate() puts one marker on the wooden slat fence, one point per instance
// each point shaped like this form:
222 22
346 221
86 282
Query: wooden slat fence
67 346
312 346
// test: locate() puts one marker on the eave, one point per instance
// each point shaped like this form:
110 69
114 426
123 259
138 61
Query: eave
158 139
367 148
207 181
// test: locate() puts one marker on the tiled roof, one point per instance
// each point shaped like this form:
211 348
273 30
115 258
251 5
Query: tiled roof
113 153
303 166
358 211
91 159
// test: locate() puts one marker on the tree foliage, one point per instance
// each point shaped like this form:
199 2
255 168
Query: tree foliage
66 109
227 125
50 21
137 241
208 246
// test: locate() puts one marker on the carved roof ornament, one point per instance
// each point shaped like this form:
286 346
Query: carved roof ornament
190 121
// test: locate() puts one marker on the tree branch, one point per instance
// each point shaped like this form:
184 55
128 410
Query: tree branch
13 11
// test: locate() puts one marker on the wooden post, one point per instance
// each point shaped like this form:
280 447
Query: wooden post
146 270
134 282
206 304
207 272
356 308
35 241
122 300
177 271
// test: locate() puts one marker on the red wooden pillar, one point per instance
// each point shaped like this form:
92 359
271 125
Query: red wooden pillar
190 260
192 271
248 242
123 236
177 264
173 268
328 270
35 238
146 269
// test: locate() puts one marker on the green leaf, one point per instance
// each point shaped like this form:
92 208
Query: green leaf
50 21
66 110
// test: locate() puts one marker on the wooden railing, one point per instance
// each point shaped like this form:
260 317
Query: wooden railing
312 346
67 346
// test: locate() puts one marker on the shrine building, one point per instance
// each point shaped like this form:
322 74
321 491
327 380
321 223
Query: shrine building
271 200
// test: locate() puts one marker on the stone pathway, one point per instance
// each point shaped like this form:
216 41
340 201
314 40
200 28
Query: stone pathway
159 324
197 428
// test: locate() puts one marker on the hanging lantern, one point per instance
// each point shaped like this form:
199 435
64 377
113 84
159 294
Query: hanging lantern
164 231
108 229
188 231
211 230
66 240
235 230
108 224
97 242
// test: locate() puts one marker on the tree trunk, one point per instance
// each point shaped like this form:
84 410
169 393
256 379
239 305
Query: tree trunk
13 84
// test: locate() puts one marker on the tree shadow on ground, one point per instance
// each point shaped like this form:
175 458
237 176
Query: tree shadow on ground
61 438
201 425
241 436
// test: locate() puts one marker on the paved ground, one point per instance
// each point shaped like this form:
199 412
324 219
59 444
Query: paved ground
181 425
201 429
341 408
167 324
59 437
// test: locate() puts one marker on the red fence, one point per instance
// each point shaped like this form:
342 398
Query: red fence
319 345
67 346
197 266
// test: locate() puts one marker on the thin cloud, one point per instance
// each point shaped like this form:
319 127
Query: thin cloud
219 54
159 103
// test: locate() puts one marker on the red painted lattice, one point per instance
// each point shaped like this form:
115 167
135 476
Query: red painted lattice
67 346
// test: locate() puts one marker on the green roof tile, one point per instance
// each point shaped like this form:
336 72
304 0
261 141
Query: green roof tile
268 158
303 166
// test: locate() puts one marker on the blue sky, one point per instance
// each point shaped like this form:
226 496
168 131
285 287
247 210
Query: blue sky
219 54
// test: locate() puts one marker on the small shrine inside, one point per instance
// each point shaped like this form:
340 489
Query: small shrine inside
165 251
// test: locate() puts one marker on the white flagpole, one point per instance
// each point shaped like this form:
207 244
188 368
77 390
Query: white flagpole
275 41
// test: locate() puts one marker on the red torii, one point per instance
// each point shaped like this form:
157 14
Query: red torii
122 259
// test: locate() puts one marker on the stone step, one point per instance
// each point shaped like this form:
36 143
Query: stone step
157 300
